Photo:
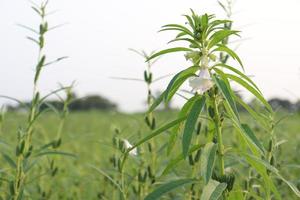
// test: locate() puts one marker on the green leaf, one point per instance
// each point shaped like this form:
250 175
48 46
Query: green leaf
229 52
180 27
55 153
250 89
183 112
274 170
213 190
9 160
190 124
227 93
157 132
165 188
208 161
176 86
219 36
166 51
177 80
245 77
253 113
251 137
261 169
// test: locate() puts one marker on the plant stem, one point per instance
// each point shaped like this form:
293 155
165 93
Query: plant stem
218 127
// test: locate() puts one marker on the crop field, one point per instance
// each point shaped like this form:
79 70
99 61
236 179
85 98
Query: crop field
88 136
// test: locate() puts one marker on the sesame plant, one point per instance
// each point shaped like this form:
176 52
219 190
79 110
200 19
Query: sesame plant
137 180
30 161
214 103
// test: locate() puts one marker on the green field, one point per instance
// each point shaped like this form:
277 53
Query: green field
88 135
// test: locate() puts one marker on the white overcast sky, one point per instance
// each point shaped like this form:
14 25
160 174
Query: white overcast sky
99 33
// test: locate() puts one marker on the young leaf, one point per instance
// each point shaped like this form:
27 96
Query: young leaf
229 52
250 89
165 188
224 88
219 36
166 51
190 124
213 190
208 161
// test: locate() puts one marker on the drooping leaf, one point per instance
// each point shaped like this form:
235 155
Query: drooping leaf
167 187
191 123
208 161
251 137
245 77
250 89
175 130
224 88
230 52
213 190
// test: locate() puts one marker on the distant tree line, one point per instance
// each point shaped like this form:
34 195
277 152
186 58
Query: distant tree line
90 102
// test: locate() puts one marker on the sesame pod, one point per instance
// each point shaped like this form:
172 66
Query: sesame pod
51 164
22 146
272 161
53 173
150 78
145 176
191 161
140 178
41 41
117 131
211 112
121 146
149 147
153 124
135 191
11 188
198 130
147 121
18 151
150 172
145 76
270 145
215 140
197 156
119 162
115 141
230 182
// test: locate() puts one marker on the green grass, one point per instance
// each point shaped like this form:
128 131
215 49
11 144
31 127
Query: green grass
88 135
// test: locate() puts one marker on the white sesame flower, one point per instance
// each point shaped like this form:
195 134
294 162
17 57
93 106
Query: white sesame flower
127 145
201 83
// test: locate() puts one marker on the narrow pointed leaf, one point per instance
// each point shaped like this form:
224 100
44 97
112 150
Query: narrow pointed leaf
166 51
208 161
213 190
191 123
165 188
224 88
